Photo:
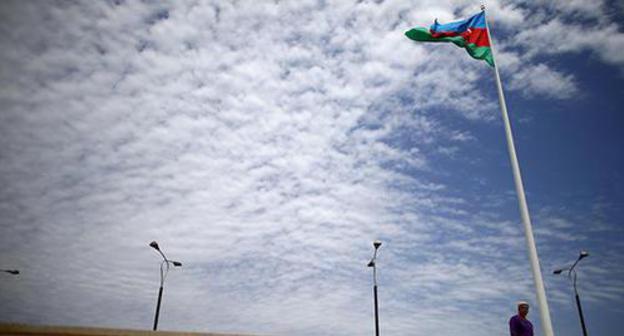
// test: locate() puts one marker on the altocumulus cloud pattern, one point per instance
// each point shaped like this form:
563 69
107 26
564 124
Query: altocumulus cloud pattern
267 144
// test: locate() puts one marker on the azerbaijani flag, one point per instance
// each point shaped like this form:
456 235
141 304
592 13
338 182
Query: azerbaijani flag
470 34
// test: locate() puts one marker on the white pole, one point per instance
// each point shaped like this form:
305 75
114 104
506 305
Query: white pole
524 210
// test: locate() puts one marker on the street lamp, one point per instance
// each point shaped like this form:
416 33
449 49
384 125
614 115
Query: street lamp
14 272
164 269
572 277
373 264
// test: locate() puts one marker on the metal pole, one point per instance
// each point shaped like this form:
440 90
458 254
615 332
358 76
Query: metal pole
578 306
376 312
375 294
580 311
160 291
163 275
373 264
547 329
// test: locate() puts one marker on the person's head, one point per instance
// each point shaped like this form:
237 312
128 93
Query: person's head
523 308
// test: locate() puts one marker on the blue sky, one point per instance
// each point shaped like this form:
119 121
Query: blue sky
267 144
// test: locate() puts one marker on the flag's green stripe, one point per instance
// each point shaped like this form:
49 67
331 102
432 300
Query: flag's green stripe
423 35
482 53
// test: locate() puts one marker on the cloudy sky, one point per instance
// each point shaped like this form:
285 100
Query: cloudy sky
265 144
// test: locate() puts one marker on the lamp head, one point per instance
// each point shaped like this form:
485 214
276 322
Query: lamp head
376 244
154 245
176 263
557 271
583 254
371 263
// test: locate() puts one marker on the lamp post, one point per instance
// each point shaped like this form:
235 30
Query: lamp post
373 264
164 269
14 272
572 277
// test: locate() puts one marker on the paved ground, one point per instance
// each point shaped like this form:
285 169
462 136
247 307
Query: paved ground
29 330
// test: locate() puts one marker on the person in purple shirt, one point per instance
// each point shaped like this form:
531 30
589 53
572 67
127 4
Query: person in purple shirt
518 324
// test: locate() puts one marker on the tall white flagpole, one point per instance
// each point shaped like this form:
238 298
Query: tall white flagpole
524 209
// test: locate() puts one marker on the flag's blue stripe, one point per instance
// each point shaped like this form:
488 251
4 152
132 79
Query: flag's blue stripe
476 21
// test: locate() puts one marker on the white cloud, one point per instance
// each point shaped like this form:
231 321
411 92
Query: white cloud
536 80
258 144
556 37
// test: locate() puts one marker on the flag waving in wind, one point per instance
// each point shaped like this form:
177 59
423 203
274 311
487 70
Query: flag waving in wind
470 34
473 35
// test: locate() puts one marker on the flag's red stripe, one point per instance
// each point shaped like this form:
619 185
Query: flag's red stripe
445 34
477 36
